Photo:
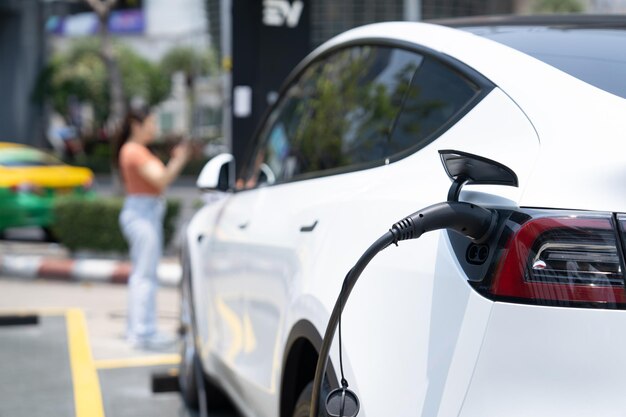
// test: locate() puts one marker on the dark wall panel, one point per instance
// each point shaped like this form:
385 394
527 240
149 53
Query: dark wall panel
267 44
21 57
264 54
9 112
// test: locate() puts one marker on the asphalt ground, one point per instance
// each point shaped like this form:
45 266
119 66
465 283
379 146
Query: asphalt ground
75 361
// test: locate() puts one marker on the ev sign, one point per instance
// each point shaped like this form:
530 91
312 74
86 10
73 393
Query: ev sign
269 38
282 12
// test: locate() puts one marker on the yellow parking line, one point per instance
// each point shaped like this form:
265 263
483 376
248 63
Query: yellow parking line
87 396
152 360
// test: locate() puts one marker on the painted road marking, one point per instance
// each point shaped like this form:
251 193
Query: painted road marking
153 360
86 385
87 395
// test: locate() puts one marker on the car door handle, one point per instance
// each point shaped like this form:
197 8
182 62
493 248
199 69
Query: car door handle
305 229
243 226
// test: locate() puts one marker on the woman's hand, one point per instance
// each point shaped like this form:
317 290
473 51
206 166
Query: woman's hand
161 176
182 152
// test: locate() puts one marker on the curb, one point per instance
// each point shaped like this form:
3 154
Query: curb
88 270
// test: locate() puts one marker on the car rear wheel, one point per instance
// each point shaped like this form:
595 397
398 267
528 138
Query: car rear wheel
49 235
187 367
303 405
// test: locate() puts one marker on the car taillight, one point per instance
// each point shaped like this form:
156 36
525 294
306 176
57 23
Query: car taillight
564 258
86 186
27 188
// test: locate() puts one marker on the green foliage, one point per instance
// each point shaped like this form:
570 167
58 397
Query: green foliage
189 61
339 97
80 73
93 224
558 6
141 78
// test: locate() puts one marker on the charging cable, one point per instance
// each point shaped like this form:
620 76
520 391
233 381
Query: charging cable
467 219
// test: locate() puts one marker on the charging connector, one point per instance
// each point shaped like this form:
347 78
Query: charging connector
467 219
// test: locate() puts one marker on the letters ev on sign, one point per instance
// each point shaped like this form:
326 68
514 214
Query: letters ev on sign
282 12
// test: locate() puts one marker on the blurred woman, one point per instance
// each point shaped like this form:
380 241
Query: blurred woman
145 178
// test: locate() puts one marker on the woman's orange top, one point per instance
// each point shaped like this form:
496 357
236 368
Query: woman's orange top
132 157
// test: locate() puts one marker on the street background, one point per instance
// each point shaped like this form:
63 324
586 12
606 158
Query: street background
69 69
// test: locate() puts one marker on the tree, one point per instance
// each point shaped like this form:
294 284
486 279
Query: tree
558 6
117 103
192 64
80 75
189 61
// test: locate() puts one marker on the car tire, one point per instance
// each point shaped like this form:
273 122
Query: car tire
187 381
49 235
303 405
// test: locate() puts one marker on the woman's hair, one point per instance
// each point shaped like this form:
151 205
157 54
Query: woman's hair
135 115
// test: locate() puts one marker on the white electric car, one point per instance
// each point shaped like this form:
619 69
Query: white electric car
529 323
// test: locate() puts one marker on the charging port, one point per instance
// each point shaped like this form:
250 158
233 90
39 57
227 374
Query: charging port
477 254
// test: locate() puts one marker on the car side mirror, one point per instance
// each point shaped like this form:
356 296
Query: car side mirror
218 174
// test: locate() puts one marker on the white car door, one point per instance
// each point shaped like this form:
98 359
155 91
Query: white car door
224 260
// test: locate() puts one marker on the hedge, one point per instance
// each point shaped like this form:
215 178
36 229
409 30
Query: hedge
93 224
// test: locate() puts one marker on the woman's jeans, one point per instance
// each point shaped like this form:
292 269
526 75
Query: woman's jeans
141 221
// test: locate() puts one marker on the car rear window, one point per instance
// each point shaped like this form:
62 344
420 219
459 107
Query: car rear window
594 55
26 157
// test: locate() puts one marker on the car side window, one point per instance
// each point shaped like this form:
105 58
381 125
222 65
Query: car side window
352 108
436 95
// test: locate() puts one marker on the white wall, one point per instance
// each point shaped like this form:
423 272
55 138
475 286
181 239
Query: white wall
605 6
174 18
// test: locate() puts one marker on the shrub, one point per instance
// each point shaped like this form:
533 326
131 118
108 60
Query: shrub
93 224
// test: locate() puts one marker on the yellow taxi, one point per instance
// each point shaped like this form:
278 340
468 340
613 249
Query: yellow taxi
31 181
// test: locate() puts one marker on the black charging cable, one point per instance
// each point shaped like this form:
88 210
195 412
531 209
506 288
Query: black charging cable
467 219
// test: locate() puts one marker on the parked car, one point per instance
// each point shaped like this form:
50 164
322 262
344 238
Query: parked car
31 181
532 327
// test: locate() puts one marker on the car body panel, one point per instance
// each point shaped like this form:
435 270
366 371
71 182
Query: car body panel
292 276
418 339
28 193
25 209
580 112
547 361
49 177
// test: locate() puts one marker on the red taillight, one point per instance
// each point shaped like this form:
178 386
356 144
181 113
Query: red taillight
27 188
562 259
86 186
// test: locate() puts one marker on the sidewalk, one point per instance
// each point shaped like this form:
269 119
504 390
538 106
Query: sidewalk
51 261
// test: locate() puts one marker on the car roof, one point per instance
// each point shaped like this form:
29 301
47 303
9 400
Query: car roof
561 107
589 47
573 21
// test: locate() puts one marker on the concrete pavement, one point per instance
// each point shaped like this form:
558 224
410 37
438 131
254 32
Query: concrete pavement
104 306
30 260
